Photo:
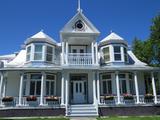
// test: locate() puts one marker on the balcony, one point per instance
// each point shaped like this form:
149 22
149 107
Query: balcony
80 59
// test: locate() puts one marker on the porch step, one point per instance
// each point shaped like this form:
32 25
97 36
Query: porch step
82 110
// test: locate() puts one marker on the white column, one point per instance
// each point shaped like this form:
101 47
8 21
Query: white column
154 88
42 89
94 88
66 90
92 53
118 90
66 53
62 53
1 82
98 88
96 46
20 89
136 87
62 89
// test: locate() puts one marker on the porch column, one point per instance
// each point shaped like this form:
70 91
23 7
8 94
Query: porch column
66 52
42 89
154 88
1 82
66 86
20 89
62 53
94 88
62 90
92 53
98 88
96 46
118 90
136 87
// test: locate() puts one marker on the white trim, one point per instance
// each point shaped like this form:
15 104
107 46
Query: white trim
62 89
1 82
154 88
98 88
42 88
118 88
136 87
20 89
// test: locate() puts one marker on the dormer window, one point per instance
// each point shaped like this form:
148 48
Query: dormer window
38 52
117 53
125 54
28 53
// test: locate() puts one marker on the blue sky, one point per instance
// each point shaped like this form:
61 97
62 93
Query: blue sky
20 19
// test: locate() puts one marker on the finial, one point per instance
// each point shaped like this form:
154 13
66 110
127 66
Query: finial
79 6
42 30
111 31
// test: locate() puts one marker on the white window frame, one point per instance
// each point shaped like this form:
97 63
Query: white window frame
42 52
28 53
102 80
53 53
50 81
108 54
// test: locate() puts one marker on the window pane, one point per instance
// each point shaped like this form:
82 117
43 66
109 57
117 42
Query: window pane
29 49
109 87
121 75
47 87
37 56
106 50
38 88
124 89
24 88
50 77
49 50
104 87
106 77
36 76
49 57
52 88
38 48
117 56
117 49
125 50
106 58
32 87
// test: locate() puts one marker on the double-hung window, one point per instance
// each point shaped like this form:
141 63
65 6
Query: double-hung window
38 52
106 54
125 54
49 54
117 53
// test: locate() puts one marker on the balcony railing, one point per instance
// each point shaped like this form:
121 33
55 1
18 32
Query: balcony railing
80 58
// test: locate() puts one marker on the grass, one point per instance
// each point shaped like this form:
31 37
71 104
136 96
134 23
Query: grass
35 119
131 118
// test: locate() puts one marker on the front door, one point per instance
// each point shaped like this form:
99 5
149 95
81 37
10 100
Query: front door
79 92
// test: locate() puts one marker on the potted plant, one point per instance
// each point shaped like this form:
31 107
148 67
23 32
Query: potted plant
52 98
31 98
8 100
128 97
148 98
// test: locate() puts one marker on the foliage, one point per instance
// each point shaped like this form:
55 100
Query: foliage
148 51
7 99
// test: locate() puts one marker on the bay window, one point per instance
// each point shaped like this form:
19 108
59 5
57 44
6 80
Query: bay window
38 52
125 54
106 54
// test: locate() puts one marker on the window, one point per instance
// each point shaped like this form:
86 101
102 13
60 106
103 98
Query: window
28 53
35 84
122 83
49 56
106 54
50 85
117 53
38 52
106 84
131 84
125 54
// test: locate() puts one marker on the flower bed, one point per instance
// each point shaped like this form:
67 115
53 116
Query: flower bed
7 99
31 98
128 97
52 98
148 97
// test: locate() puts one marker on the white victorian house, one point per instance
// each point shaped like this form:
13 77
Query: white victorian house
79 75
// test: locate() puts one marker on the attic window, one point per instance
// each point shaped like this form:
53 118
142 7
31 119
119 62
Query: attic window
79 25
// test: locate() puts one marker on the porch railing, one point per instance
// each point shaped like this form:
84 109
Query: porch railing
79 58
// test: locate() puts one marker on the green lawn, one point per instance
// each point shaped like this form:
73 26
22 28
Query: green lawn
131 118
39 119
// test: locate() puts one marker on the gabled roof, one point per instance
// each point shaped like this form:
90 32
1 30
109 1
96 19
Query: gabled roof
113 38
89 27
41 37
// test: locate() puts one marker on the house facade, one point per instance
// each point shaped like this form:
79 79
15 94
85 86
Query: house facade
79 74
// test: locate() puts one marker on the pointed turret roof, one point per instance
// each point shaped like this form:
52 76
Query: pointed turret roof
113 38
41 37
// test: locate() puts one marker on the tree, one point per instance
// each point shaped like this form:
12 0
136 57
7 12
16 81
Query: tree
148 51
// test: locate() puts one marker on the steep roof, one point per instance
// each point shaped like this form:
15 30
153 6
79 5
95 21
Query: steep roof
41 37
89 27
113 38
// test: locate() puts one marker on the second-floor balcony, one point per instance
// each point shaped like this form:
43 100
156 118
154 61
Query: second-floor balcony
80 59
